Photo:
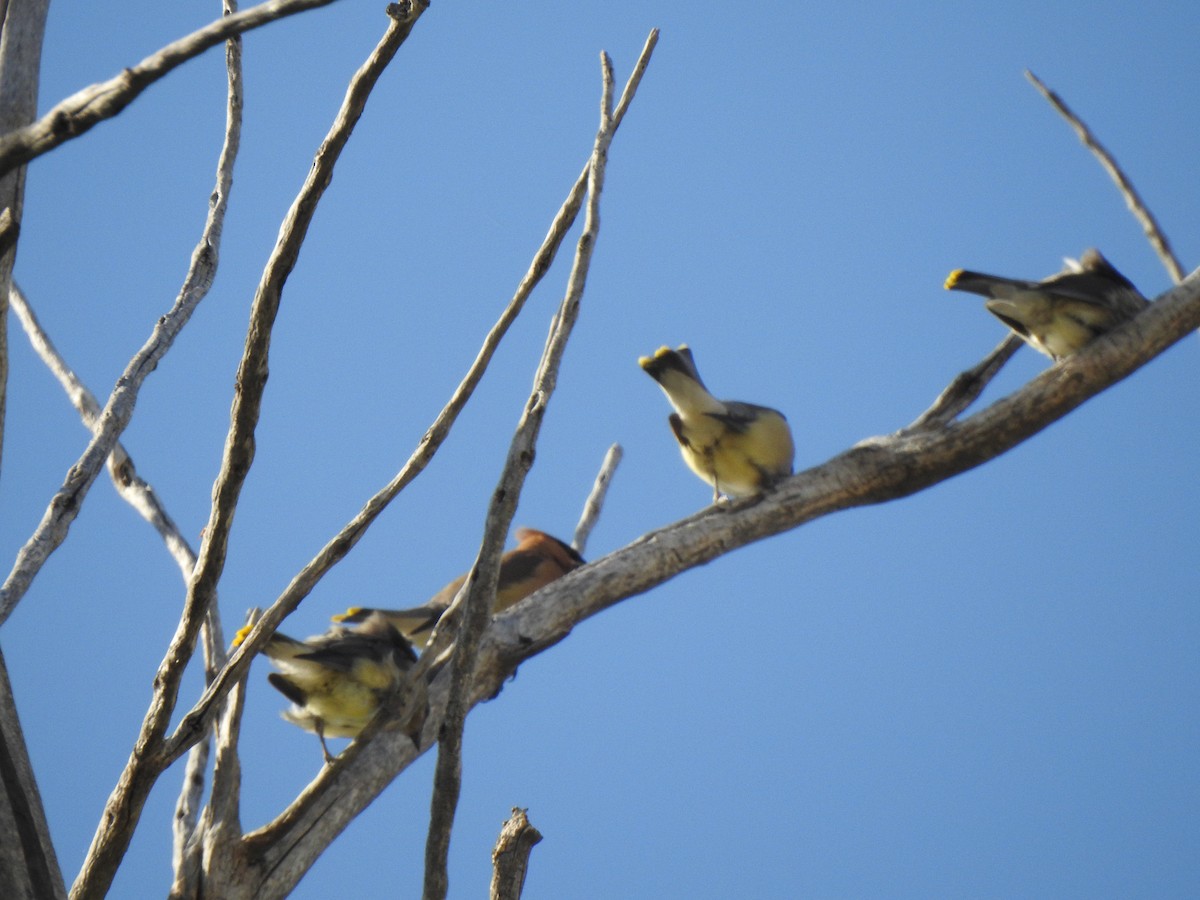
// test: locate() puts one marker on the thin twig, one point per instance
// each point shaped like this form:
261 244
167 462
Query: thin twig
135 490
595 500
965 388
1158 240
78 113
481 583
510 857
186 844
115 416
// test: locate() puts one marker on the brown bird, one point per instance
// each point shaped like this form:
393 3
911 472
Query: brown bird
537 560
741 449
337 680
1062 313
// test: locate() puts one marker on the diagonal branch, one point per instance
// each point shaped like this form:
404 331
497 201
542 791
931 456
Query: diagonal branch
193 723
967 386
1158 240
112 420
186 846
595 500
284 849
28 864
149 759
82 110
476 595
875 471
134 489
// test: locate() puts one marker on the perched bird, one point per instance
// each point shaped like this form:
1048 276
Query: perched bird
537 560
739 448
1062 313
337 680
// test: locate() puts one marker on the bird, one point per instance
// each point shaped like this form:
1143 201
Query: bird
337 680
537 560
1063 313
741 449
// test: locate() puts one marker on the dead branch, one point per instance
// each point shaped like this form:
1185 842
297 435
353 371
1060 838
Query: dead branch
476 595
84 109
150 759
1141 212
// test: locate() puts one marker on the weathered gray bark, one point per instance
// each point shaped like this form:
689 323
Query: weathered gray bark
28 867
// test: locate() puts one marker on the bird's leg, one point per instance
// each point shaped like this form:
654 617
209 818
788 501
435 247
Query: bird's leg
321 737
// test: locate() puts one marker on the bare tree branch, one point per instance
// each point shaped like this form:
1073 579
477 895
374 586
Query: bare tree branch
192 723
186 855
10 228
1158 240
28 865
66 503
964 389
135 490
82 110
874 471
21 35
222 862
480 587
283 850
29 869
510 858
595 500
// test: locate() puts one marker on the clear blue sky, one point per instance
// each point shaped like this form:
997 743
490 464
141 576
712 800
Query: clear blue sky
989 689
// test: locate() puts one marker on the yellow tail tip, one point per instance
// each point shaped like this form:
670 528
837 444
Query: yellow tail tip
348 614
662 351
952 279
241 635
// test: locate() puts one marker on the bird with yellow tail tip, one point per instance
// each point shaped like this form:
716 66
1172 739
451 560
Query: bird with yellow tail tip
741 449
1060 314
337 680
537 560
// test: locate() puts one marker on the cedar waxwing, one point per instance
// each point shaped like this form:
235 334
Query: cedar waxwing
1062 313
537 560
739 448
337 680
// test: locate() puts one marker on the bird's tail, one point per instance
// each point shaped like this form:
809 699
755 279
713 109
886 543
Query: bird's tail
675 371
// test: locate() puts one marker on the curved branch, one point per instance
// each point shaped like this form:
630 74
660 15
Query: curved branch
82 110
480 588
875 471
194 722
283 850
1141 212
149 758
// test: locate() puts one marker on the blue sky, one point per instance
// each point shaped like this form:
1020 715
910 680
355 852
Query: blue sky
989 689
